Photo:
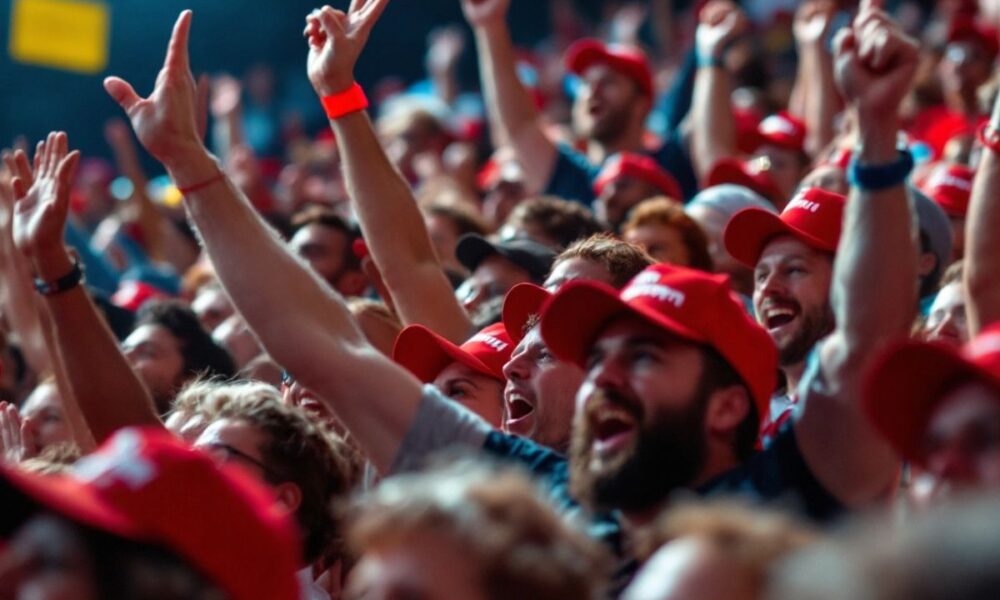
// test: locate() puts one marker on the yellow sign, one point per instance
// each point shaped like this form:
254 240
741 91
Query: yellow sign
62 34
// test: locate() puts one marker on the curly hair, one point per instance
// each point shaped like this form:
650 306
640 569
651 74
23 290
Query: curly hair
496 516
667 213
621 259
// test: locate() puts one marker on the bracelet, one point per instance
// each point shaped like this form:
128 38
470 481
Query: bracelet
351 100
204 184
63 284
708 62
874 178
989 137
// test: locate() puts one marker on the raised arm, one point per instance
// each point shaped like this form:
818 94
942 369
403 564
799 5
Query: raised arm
874 293
982 242
301 322
392 225
713 128
513 117
107 391
815 93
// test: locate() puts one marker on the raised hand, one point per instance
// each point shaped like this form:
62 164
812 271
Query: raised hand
875 64
17 443
720 23
42 201
445 46
812 21
166 122
480 13
226 96
336 40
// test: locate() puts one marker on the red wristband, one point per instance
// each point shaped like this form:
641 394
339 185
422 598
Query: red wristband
201 185
989 137
349 101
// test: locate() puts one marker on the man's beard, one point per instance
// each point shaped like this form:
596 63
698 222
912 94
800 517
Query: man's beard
668 452
610 128
816 324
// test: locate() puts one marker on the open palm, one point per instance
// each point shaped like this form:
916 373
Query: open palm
42 196
483 12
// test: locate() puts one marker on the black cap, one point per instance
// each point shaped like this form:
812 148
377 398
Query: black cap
531 256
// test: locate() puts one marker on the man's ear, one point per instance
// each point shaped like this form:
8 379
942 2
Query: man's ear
289 496
352 283
727 408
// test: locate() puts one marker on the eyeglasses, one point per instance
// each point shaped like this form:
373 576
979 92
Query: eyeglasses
227 453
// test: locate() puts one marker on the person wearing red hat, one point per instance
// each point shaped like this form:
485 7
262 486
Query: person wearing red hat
627 179
792 258
144 517
471 374
613 99
950 186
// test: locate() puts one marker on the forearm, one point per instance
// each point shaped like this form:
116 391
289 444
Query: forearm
395 233
302 324
821 101
982 245
510 108
107 392
19 306
874 294
713 129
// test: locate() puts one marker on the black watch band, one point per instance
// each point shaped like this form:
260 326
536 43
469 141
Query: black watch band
66 282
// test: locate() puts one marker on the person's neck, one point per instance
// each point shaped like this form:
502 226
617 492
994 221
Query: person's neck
793 375
628 141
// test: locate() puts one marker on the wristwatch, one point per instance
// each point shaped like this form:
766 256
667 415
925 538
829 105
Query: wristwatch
67 282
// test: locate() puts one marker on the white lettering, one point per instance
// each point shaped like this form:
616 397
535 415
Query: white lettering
659 291
489 340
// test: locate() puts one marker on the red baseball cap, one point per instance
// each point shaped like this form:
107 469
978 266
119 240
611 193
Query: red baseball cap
628 60
814 216
523 301
425 353
131 295
752 174
951 187
909 380
148 486
782 130
965 28
694 305
637 166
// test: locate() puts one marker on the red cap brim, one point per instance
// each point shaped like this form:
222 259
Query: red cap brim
734 172
905 386
522 302
750 229
425 354
575 316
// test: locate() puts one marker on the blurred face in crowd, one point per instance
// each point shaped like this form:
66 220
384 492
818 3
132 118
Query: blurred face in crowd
540 392
46 419
155 354
962 440
48 559
573 268
618 197
407 137
964 67
946 322
608 105
664 243
479 393
212 307
640 427
235 442
713 223
422 565
444 235
784 166
690 568
491 279
325 249
791 296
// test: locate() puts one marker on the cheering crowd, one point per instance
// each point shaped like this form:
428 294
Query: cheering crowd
704 307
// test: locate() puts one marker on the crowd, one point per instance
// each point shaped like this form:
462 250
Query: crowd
706 306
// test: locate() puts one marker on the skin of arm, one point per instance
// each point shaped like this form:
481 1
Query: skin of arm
982 254
107 392
511 111
303 325
874 291
712 126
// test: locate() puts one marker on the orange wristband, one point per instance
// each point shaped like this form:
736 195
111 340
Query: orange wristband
349 101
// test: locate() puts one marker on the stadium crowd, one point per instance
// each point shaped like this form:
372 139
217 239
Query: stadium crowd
703 306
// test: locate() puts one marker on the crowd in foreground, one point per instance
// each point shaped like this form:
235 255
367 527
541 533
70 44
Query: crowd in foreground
636 323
